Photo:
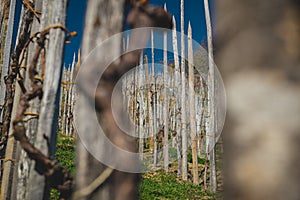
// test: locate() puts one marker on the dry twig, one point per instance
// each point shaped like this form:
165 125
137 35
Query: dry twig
57 176
11 77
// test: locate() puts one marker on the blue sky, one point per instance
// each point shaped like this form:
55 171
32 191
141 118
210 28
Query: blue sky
194 12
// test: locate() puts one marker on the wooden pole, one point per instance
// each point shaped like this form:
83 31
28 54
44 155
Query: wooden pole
53 12
192 107
6 30
65 101
213 177
70 99
166 106
141 108
25 164
154 93
183 98
178 89
8 173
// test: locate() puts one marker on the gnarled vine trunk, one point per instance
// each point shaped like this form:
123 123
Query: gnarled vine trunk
103 19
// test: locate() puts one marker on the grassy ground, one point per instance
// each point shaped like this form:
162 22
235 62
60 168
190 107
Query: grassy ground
154 185
65 154
159 185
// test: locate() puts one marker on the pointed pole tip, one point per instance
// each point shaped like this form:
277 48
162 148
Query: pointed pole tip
189 26
174 22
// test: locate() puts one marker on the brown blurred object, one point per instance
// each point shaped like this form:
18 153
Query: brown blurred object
258 53
104 19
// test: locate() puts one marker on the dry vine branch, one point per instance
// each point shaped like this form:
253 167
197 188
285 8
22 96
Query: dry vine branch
141 15
57 176
20 49
29 5
10 78
94 185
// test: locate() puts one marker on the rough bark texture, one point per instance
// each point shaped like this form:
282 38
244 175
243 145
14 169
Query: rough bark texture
55 175
258 46
25 163
53 12
12 94
6 89
30 179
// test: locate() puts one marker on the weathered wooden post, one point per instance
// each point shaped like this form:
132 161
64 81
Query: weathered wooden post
166 105
53 12
25 164
11 104
178 89
192 106
183 98
140 105
211 91
7 16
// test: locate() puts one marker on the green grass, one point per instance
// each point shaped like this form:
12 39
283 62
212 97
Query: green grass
154 186
201 160
65 155
65 152
159 185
